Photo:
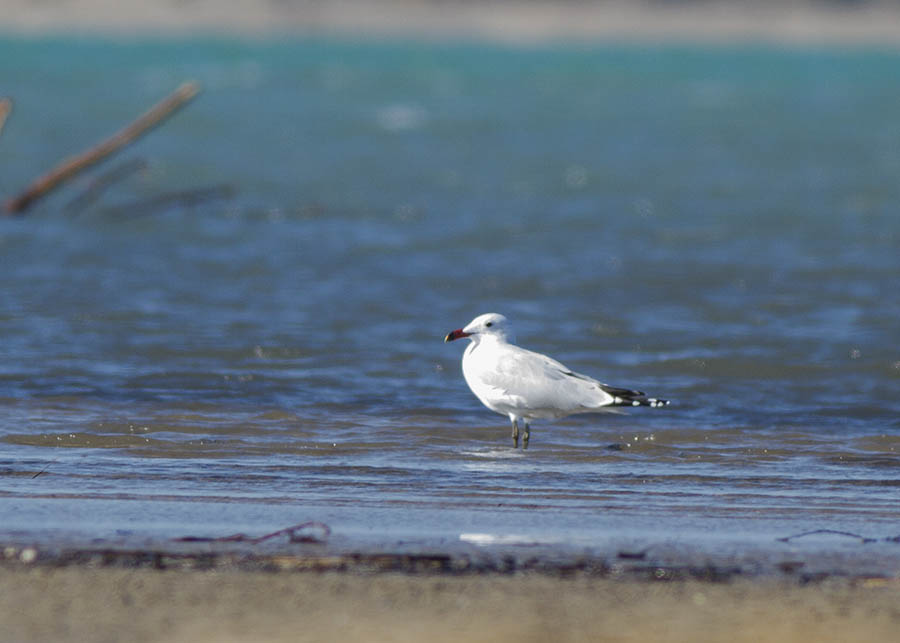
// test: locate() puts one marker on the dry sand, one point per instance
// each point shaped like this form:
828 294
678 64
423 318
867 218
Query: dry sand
785 21
85 604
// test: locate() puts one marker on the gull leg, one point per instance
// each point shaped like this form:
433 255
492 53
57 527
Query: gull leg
525 436
515 433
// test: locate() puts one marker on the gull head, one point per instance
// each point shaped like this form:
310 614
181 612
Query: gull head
488 325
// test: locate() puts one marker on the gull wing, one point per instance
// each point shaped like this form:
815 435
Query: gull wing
537 383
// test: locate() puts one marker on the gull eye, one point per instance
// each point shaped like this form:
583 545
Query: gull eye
489 324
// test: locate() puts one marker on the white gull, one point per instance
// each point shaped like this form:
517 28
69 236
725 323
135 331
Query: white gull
525 385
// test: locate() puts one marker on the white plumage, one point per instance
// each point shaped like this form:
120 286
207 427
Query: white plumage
525 385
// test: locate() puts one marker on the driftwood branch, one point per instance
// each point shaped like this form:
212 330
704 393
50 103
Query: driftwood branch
72 166
5 109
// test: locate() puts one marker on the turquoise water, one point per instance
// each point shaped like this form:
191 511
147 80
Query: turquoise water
717 226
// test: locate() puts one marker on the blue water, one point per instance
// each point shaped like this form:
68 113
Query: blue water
717 226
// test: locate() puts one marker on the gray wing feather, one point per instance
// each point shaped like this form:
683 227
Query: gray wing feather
542 383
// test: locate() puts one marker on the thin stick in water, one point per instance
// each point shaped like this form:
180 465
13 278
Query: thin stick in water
182 198
100 184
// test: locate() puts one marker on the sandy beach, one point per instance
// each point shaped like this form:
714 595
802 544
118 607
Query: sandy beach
97 605
795 22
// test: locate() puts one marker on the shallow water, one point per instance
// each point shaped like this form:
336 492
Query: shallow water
715 226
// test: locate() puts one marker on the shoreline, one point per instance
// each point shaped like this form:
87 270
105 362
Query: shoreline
514 21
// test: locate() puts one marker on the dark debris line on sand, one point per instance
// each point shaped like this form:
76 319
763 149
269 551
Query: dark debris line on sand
358 562
623 567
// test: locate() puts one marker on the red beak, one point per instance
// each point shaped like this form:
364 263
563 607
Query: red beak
455 334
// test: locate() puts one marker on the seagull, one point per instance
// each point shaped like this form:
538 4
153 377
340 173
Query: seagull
525 385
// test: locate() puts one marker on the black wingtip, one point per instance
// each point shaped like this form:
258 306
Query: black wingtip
628 397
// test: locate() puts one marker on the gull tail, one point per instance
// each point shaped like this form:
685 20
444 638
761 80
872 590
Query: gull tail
627 397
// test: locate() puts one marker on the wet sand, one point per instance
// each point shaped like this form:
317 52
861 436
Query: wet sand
87 604
790 21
